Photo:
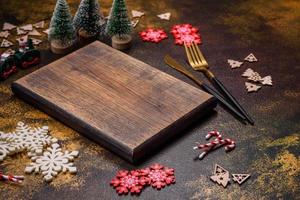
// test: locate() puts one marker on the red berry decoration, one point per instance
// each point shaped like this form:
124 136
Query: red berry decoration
185 33
153 35
126 181
134 181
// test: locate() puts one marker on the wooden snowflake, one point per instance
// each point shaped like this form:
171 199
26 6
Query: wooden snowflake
52 162
6 149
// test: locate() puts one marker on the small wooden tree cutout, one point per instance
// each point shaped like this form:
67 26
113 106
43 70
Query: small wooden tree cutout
27 27
220 176
136 13
251 58
267 80
165 16
252 87
234 63
240 178
34 32
8 26
6 43
40 24
222 179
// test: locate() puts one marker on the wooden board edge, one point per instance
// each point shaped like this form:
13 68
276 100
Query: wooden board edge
72 121
174 129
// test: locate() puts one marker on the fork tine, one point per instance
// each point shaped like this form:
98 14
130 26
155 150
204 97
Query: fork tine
199 53
190 59
196 54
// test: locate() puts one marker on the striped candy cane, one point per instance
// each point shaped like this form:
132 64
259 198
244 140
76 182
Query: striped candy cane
218 142
12 178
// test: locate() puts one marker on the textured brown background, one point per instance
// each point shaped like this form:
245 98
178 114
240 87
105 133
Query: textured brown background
230 29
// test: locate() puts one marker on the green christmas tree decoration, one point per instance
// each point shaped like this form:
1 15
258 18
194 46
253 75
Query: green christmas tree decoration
118 21
61 26
88 18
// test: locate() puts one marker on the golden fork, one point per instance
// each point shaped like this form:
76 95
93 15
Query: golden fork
198 62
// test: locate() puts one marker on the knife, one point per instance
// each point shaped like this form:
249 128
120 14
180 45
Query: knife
175 65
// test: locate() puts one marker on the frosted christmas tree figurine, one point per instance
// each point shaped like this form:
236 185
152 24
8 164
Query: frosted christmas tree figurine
61 34
119 25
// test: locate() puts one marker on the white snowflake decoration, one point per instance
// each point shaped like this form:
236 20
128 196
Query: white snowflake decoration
165 16
33 140
6 149
136 13
52 162
234 64
251 58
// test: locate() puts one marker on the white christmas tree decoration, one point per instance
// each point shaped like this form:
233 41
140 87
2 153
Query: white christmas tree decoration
34 32
33 140
136 13
6 43
267 80
234 64
52 162
165 16
240 178
8 26
40 24
251 58
252 87
4 34
27 27
36 41
22 40
20 31
134 23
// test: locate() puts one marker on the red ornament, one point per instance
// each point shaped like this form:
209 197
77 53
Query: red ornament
185 33
159 175
126 181
153 35
134 181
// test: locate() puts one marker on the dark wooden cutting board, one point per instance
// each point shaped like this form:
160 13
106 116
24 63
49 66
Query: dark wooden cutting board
118 101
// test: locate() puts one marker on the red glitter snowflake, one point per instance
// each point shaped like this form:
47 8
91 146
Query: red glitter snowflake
126 181
185 33
159 175
153 35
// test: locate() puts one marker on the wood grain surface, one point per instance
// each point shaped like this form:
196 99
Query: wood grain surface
120 102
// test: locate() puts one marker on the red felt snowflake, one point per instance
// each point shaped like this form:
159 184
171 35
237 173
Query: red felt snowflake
159 175
153 35
129 181
185 33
